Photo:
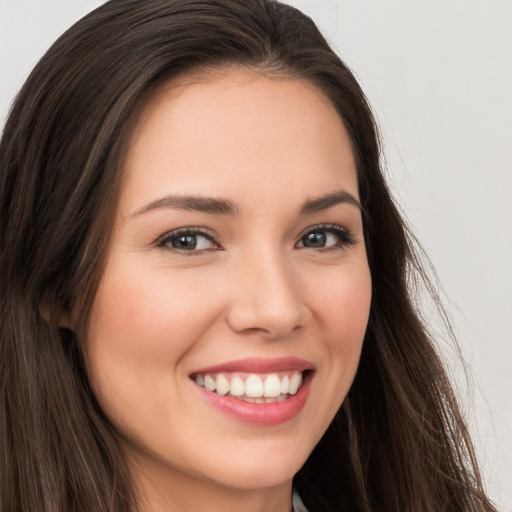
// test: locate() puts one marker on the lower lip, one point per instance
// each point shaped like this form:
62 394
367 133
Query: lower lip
260 414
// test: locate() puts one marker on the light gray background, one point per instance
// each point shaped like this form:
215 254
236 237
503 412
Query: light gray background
439 76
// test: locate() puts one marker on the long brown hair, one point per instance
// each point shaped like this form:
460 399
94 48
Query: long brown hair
398 442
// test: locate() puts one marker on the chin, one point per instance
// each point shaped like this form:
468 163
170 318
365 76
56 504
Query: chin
262 468
267 475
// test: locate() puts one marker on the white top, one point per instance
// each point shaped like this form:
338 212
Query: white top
298 506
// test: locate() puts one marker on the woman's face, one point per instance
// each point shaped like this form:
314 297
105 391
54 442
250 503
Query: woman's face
237 268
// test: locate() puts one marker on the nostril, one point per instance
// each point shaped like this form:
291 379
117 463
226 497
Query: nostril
265 320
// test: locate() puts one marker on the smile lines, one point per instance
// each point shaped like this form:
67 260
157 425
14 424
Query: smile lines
252 387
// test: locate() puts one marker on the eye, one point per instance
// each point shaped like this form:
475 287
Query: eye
189 240
327 236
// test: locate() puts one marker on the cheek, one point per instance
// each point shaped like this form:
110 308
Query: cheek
341 308
344 309
146 317
141 328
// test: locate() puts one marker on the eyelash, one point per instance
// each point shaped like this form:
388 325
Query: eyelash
344 236
166 239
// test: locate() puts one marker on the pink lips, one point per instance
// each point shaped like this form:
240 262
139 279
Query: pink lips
259 365
260 414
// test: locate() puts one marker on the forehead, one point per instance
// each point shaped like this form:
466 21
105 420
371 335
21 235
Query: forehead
234 131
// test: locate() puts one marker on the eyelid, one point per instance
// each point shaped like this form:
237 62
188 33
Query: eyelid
164 239
189 230
333 228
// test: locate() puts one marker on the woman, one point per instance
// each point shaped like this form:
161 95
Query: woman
205 298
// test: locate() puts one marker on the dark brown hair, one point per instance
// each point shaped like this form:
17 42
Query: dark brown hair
398 442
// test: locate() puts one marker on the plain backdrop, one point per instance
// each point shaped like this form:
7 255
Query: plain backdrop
438 74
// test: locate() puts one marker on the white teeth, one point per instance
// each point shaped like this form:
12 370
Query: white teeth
295 383
285 382
266 388
272 386
254 386
222 385
263 400
209 383
237 386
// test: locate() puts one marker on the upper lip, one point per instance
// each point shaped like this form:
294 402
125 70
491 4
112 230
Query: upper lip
259 365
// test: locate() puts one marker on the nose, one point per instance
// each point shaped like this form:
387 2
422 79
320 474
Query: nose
266 297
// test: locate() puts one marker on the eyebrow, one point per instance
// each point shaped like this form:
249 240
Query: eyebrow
218 206
193 203
328 201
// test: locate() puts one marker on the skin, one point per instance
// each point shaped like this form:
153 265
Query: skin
267 145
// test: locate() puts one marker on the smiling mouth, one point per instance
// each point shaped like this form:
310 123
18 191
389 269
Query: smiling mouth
258 388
